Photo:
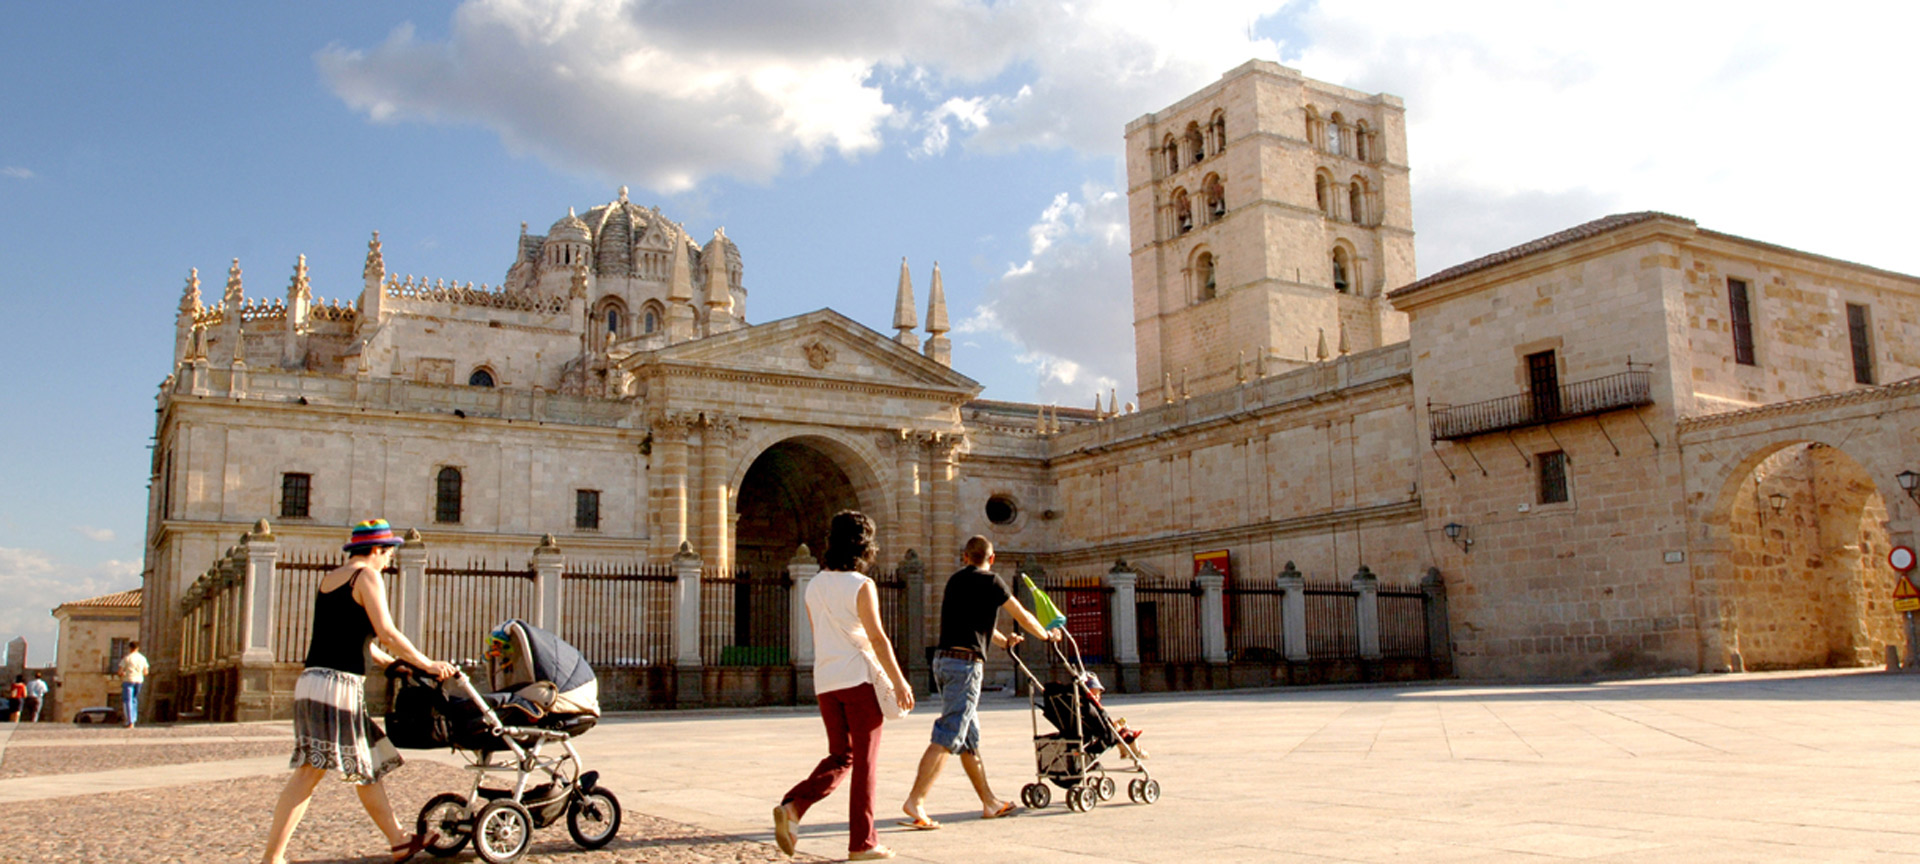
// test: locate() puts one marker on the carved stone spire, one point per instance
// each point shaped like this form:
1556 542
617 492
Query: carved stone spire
1344 346
939 349
299 287
718 297
1096 406
680 283
1321 352
190 298
376 268
904 317
235 294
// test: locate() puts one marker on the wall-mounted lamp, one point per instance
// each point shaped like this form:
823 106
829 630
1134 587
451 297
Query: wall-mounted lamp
1458 534
1776 501
1910 482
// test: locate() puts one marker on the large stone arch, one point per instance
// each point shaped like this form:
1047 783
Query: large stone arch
791 483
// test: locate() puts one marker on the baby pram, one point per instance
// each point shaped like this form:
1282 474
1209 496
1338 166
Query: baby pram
1070 756
543 693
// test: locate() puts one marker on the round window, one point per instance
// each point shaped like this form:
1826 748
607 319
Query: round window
1001 510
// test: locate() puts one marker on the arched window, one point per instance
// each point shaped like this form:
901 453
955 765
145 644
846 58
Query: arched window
1357 201
1182 212
1320 194
480 378
1171 150
651 316
652 323
446 495
1336 131
1216 197
1219 131
1206 286
1196 144
1316 134
1362 148
1342 264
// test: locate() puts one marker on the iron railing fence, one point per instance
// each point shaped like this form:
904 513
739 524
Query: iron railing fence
745 618
1333 628
618 613
1168 613
464 604
1403 622
297 578
1085 600
1256 627
892 588
1579 399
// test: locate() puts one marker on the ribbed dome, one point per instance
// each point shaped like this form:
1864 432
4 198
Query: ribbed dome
569 230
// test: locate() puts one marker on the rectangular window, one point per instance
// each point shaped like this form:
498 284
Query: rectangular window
114 653
1742 313
166 488
1553 477
1860 334
586 509
1543 382
294 492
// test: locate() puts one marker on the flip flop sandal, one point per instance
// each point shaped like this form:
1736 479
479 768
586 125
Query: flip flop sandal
920 824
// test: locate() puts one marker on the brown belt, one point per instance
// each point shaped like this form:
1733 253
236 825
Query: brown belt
967 654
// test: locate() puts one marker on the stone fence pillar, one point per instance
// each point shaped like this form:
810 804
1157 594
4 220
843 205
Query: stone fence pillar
1439 639
412 558
686 627
1293 613
802 568
261 555
1213 619
1366 612
1123 625
548 565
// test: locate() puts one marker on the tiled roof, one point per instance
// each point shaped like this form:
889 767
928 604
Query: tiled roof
121 600
1562 238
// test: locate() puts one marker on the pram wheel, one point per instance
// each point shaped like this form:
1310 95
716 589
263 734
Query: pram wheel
1144 791
593 818
1107 788
502 831
1036 795
445 819
1081 799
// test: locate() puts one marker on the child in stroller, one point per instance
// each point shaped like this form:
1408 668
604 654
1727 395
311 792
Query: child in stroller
542 693
1129 736
1069 757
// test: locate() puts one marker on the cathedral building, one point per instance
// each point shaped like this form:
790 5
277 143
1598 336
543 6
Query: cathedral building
1636 446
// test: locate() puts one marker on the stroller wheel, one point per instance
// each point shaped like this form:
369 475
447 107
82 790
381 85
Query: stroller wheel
1036 795
1107 788
593 818
1133 790
1149 791
1080 799
502 831
445 819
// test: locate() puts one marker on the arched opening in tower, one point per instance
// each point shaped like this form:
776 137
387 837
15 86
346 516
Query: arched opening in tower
787 498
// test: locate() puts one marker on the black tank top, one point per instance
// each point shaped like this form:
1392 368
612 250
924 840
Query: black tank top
341 631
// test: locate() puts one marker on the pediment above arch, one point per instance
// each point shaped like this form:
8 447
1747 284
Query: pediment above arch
822 349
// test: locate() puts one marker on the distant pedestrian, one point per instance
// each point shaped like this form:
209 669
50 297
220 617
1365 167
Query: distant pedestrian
968 611
16 698
133 673
36 697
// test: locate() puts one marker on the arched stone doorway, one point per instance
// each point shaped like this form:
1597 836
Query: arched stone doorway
1803 581
789 494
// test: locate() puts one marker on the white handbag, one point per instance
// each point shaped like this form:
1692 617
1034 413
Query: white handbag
883 690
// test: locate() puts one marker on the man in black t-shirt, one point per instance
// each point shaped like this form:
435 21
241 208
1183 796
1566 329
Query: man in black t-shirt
968 612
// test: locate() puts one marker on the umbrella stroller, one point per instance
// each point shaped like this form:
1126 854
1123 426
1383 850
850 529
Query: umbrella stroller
542 694
1069 756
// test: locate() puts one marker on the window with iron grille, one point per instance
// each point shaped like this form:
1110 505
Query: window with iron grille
295 492
1860 334
1742 318
586 509
1553 477
446 499
116 650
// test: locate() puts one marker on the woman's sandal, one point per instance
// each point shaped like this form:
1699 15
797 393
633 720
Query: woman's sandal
403 852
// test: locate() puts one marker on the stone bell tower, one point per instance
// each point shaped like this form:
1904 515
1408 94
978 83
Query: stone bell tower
1270 215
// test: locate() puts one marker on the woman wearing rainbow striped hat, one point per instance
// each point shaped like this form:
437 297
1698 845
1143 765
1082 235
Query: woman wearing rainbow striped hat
331 725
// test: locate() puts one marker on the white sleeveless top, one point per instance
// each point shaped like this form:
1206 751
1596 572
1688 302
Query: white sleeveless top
841 650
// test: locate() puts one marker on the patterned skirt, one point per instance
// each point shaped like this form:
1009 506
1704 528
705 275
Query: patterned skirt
332 730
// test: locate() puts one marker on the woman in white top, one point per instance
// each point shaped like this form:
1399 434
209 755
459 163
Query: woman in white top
848 642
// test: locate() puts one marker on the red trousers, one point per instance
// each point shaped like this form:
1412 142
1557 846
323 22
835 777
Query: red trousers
853 742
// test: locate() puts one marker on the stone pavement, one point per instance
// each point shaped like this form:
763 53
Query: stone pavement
1759 767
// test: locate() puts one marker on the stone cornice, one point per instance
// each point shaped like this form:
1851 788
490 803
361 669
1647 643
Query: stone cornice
1896 390
656 369
1397 512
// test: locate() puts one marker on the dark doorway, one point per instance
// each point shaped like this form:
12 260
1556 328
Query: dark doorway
787 498
1543 381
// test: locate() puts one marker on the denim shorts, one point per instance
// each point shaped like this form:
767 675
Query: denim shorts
958 728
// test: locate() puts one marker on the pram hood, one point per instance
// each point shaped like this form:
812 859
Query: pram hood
519 654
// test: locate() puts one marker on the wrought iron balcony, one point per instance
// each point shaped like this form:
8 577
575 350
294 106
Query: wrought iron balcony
1579 399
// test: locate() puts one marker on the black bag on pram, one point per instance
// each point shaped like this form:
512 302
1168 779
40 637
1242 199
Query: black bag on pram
423 716
1096 730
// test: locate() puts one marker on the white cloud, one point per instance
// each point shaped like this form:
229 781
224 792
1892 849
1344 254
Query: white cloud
98 535
35 583
17 172
1069 306
1770 121
670 92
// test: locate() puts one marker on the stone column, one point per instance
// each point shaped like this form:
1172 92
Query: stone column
1366 612
670 485
262 554
716 441
1213 619
1123 625
946 470
548 565
1293 613
1439 643
909 528
802 568
686 627
412 561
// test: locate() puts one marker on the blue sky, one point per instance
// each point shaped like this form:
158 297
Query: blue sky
830 139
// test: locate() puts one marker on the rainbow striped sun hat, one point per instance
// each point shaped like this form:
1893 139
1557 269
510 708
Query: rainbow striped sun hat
373 532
